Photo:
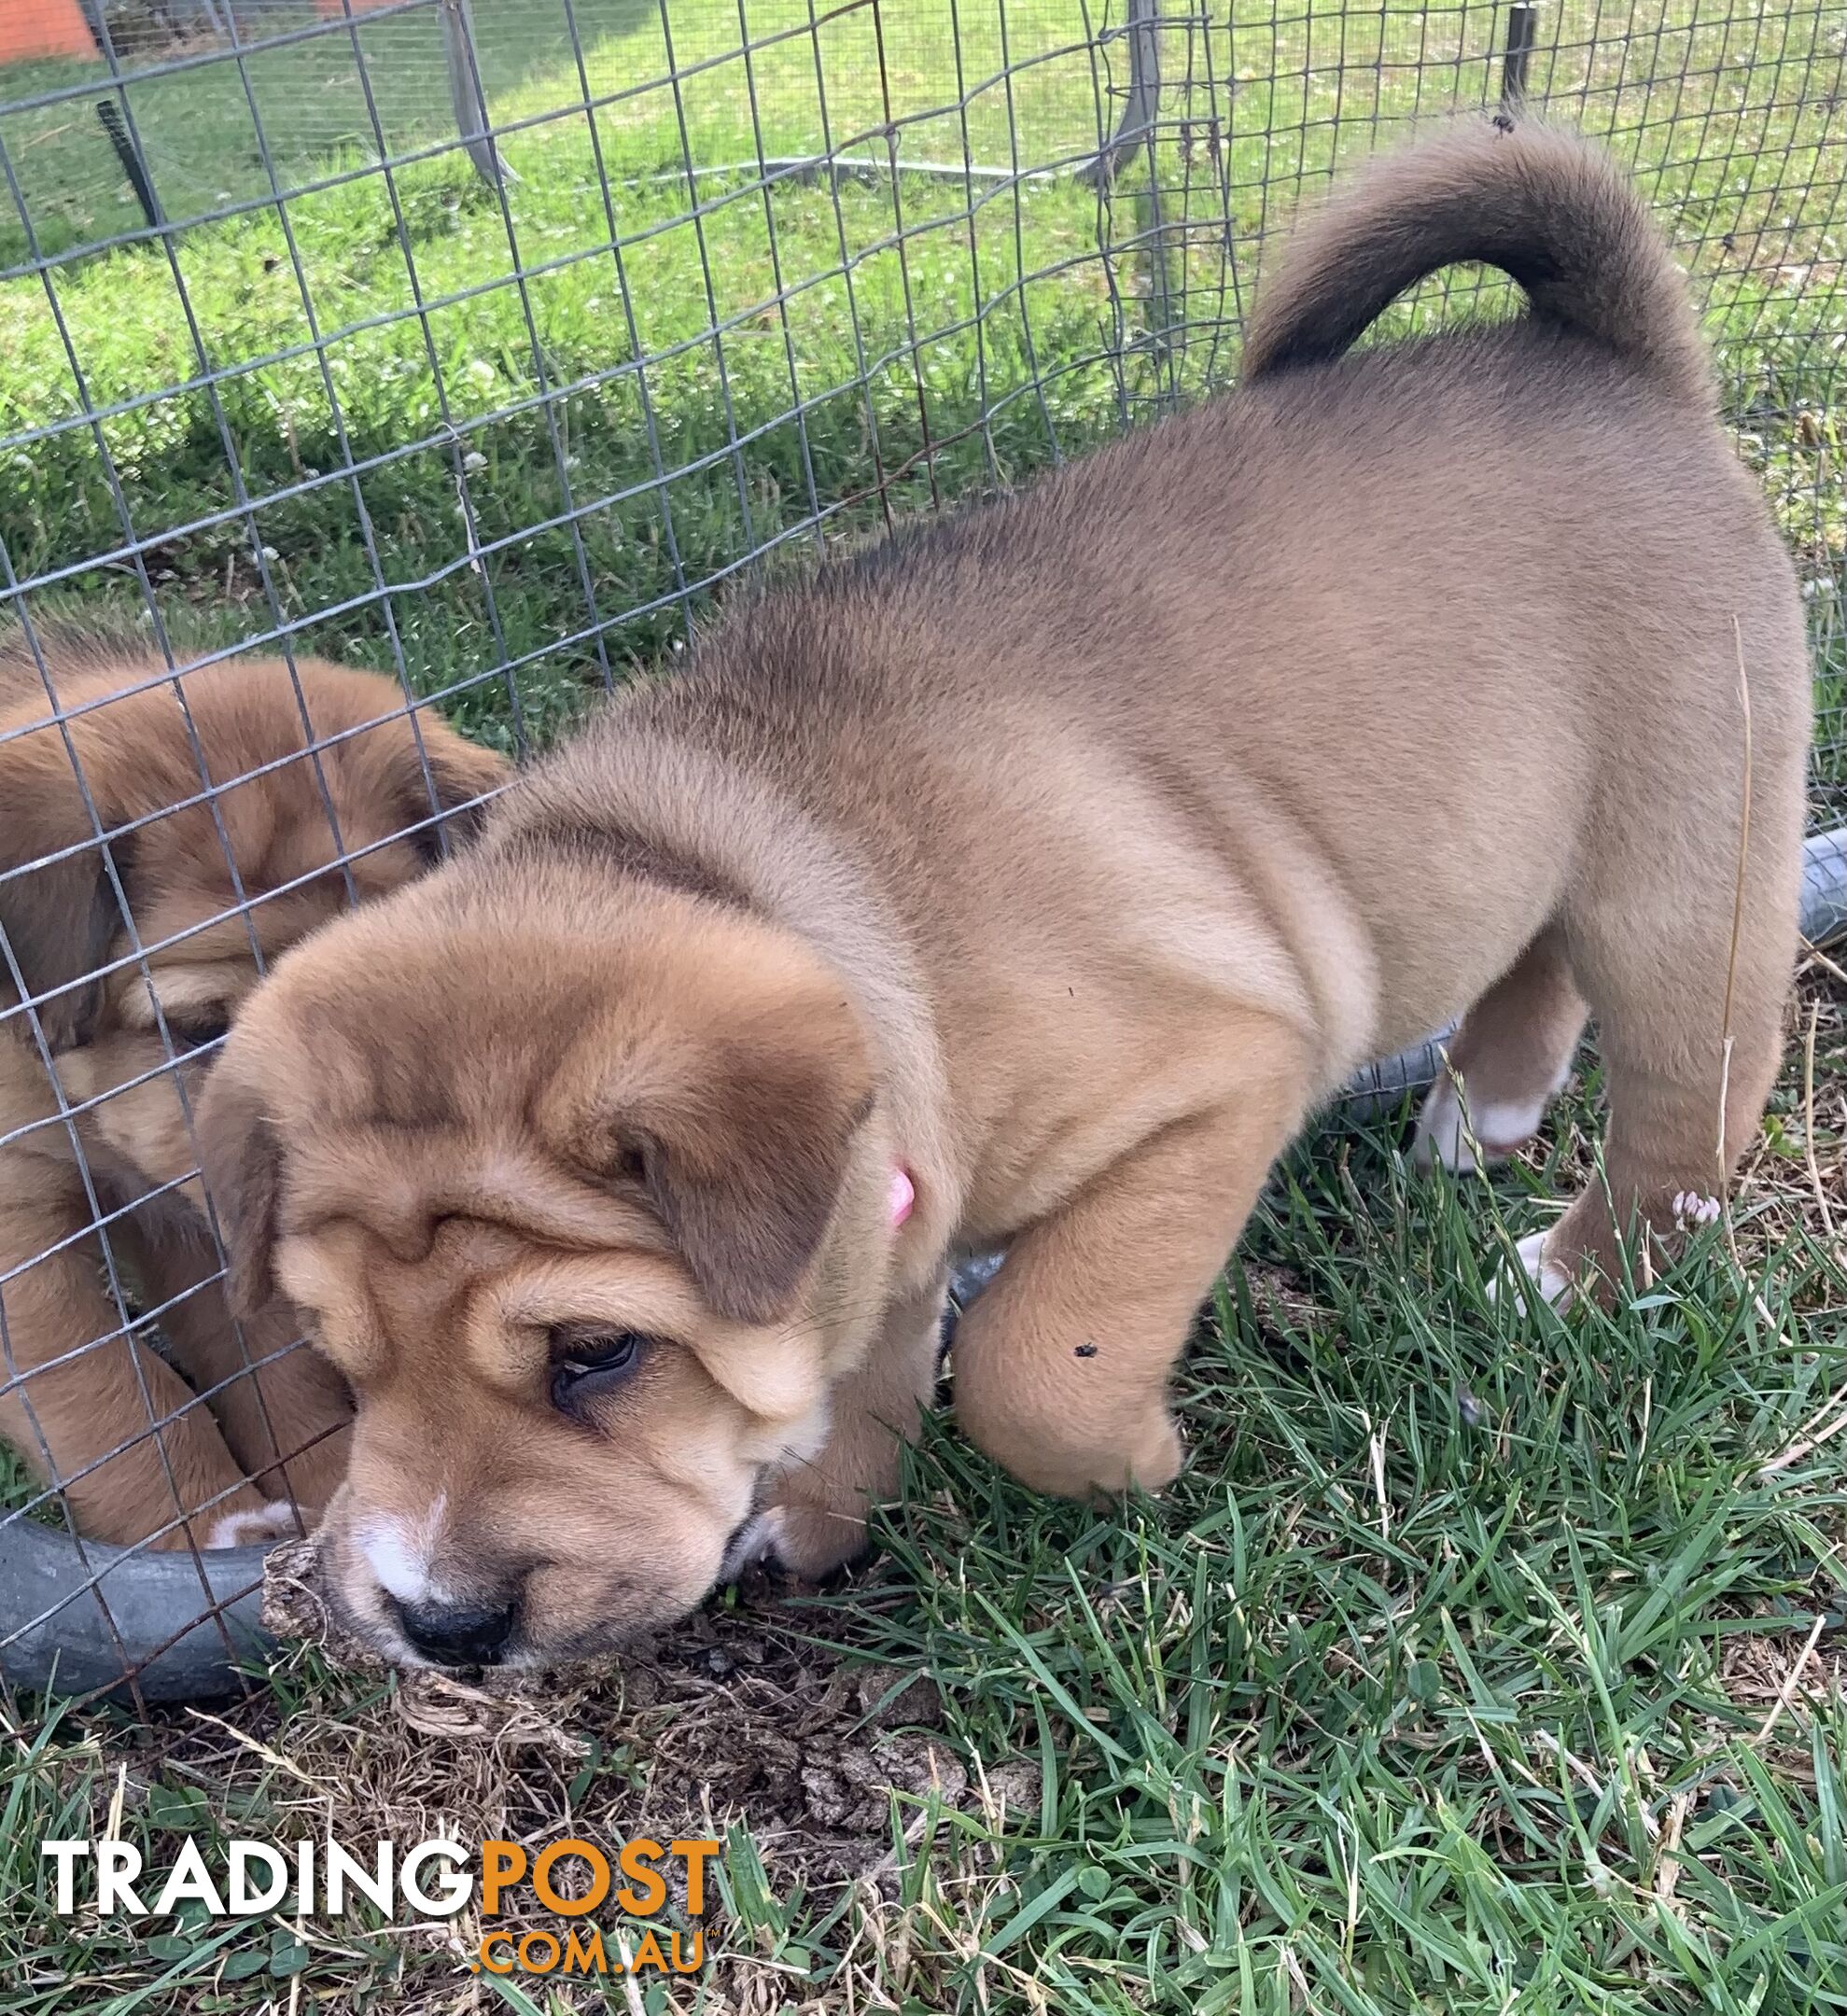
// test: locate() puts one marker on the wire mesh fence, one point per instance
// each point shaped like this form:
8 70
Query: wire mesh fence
477 347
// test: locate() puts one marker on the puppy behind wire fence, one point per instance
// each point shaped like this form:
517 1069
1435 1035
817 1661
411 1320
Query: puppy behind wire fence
392 378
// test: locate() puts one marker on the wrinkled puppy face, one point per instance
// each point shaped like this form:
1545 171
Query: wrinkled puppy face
213 883
583 1188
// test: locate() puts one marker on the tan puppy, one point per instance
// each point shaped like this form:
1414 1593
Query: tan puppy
1029 878
76 1390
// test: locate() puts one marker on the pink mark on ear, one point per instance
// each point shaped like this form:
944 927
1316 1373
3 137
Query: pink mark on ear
903 1194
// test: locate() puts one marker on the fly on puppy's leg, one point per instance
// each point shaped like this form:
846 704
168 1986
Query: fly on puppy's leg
816 1521
1061 1368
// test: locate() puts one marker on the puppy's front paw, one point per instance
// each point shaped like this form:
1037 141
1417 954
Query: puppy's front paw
1692 1211
753 1542
1493 1129
1154 1456
1147 1456
1553 1283
266 1525
808 1542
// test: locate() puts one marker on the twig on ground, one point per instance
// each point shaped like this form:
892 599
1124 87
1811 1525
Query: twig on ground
1822 959
261 1749
1731 955
1809 1118
1804 1445
1787 1690
1666 1866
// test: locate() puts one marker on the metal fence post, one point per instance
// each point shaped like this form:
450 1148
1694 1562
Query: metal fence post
133 167
1144 95
1522 32
1136 129
1166 318
465 91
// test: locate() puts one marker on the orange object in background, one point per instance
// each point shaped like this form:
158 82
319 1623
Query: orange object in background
43 28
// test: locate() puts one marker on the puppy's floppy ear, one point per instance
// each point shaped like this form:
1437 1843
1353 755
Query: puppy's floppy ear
240 1157
741 1142
457 775
59 918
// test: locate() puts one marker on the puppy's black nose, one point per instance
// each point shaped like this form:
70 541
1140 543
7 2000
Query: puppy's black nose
455 1634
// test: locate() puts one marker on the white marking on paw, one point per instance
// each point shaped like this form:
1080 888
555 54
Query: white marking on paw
1501 1126
267 1524
1498 1126
1691 1209
399 1551
756 1541
1439 1137
1551 1281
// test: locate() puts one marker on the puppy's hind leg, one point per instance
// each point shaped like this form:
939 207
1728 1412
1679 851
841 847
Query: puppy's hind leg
1688 978
1511 1055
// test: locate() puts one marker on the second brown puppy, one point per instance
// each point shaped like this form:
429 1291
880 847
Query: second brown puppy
230 837
1029 879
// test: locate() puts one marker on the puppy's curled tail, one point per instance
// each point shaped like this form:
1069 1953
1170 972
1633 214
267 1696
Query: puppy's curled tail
1552 212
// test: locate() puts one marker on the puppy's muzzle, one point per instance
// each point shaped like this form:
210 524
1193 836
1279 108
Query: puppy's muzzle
458 1634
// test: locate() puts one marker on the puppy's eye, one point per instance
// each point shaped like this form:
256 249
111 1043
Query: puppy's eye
199 1026
586 1364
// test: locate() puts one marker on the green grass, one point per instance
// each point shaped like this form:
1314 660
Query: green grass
1448 1678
